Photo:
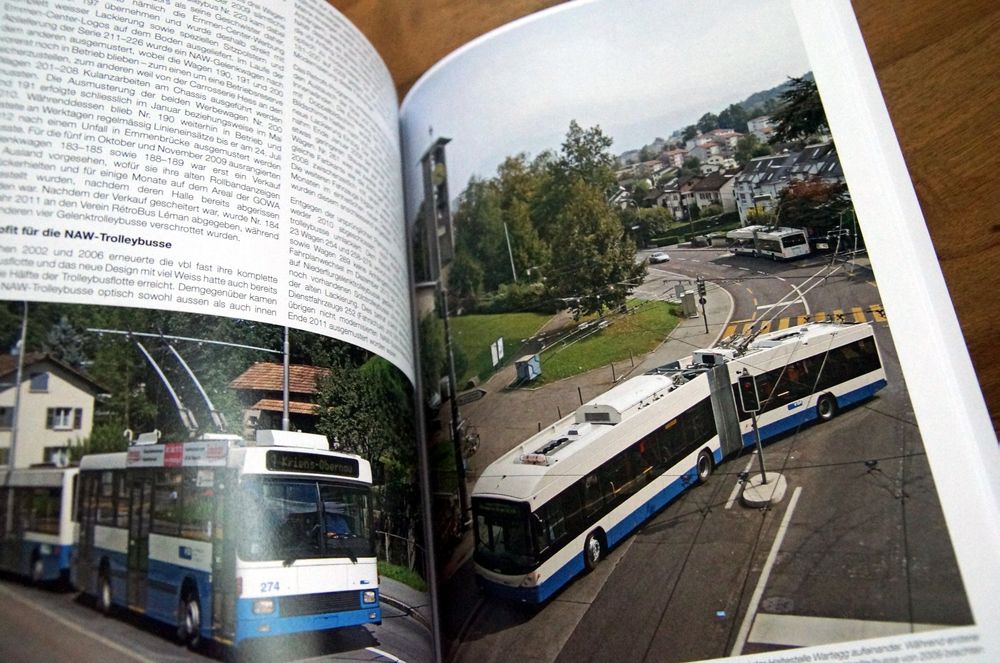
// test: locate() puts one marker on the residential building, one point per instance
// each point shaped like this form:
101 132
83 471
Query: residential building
718 188
260 390
760 183
55 410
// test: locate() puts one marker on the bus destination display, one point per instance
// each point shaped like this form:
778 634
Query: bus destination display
289 461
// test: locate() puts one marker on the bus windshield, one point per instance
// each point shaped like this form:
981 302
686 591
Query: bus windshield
289 519
503 542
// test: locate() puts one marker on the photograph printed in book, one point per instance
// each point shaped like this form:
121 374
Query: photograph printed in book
245 484
667 417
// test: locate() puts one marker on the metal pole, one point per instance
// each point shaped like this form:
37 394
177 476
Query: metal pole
760 448
510 251
285 420
12 453
456 432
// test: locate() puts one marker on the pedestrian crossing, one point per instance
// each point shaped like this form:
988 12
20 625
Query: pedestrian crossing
854 314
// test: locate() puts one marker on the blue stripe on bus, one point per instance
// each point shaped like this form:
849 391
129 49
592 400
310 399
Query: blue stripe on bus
163 591
118 568
797 418
55 563
249 625
574 567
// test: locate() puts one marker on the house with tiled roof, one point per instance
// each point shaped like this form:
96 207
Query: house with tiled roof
760 183
54 412
260 390
715 189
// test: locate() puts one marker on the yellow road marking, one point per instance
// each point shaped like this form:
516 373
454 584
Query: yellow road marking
783 323
819 316
858 313
878 313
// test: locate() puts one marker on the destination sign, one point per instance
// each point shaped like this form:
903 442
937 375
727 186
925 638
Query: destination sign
290 461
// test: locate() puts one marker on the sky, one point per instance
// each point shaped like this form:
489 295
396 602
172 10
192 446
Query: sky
639 69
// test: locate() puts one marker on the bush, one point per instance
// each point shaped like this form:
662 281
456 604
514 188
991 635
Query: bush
516 297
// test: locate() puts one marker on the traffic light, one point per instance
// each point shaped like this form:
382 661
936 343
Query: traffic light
701 286
748 394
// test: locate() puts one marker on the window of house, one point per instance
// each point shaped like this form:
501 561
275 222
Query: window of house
6 418
59 418
56 455
39 382
77 418
4 453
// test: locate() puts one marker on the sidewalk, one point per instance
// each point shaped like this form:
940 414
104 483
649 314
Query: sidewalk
403 597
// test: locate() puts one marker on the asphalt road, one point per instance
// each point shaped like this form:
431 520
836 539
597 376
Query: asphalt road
53 624
857 548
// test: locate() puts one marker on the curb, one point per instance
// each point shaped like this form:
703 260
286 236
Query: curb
410 611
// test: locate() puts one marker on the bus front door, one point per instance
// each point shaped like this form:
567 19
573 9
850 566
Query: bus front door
140 510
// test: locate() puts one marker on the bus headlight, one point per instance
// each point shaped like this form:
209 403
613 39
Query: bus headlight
263 606
368 596
530 580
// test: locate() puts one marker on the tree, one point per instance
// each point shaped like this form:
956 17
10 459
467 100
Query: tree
690 131
734 117
594 267
691 167
815 205
367 411
707 122
750 147
646 224
800 114
65 343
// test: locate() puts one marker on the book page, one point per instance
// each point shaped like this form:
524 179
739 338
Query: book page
656 241
238 161
206 315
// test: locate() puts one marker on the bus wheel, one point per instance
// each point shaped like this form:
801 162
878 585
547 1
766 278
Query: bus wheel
593 550
189 622
704 466
37 568
826 407
104 603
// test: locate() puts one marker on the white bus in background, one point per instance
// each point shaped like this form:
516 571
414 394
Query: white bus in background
230 540
770 242
551 507
37 522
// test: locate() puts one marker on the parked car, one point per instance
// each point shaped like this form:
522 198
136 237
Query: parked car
659 256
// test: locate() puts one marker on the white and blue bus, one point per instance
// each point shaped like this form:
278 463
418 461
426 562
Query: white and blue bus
769 242
230 540
552 507
38 522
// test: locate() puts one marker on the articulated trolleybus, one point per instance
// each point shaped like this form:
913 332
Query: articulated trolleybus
774 243
550 508
37 520
230 540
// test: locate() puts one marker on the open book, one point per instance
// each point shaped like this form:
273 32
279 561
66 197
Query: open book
599 347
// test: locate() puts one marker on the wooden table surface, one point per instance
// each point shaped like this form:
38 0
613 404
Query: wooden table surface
937 64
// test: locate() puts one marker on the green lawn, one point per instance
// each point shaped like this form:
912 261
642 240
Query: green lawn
474 334
402 574
635 334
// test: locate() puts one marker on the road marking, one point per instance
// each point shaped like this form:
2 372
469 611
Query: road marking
796 631
783 323
379 652
743 269
878 313
858 313
782 304
736 488
820 316
76 627
758 592
838 315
